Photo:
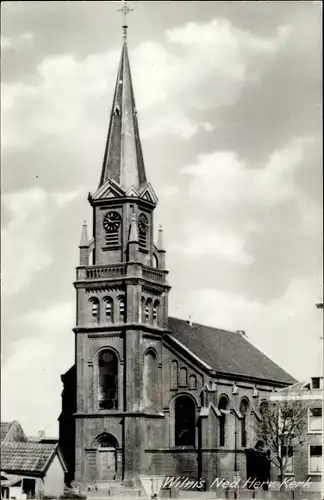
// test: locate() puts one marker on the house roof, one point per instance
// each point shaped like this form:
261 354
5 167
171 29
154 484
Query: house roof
226 352
37 439
28 457
9 480
12 431
299 386
4 429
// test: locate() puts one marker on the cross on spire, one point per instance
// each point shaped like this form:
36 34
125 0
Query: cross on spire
125 10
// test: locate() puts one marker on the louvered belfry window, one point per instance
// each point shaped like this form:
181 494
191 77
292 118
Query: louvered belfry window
143 224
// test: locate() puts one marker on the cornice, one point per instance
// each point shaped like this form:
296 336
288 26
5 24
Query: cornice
120 200
105 335
113 414
120 328
103 284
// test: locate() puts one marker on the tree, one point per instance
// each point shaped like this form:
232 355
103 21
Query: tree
281 430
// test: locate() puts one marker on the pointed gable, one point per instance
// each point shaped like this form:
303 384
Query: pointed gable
132 192
123 159
12 431
147 193
109 189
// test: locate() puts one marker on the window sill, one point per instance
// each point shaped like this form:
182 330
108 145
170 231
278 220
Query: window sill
107 409
315 432
314 473
184 447
112 247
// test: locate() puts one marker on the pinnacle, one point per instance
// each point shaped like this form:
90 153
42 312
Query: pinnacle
84 242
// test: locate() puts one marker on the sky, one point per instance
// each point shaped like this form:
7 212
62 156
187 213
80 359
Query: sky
229 101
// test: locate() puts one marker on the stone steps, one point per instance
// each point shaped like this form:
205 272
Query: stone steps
110 490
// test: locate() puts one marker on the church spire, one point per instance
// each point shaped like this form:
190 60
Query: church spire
123 160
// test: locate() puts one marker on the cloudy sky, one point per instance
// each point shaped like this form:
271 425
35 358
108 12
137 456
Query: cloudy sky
229 103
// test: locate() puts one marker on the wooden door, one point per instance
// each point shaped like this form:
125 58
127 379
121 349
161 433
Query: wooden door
107 464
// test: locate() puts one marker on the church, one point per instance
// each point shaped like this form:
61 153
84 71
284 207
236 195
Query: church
149 394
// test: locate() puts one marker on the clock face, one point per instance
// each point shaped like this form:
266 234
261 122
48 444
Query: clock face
111 222
143 224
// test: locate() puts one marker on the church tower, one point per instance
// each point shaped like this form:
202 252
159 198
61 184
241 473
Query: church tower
122 306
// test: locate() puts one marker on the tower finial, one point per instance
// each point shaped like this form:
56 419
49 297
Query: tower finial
125 10
84 242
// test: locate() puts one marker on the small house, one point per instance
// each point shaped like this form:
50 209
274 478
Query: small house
31 470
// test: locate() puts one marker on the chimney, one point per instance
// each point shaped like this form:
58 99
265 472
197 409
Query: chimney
190 319
41 434
241 332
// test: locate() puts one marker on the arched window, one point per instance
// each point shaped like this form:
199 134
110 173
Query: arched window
192 382
149 377
95 309
183 377
143 225
174 375
109 309
155 261
142 311
244 407
155 312
108 380
222 406
147 312
121 309
185 421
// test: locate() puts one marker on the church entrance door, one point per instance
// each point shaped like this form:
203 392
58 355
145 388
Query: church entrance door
106 457
107 464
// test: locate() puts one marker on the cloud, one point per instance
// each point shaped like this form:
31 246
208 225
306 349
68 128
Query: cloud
24 251
169 191
58 98
277 328
221 177
216 59
252 218
207 242
18 42
64 91
223 183
38 355
67 197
